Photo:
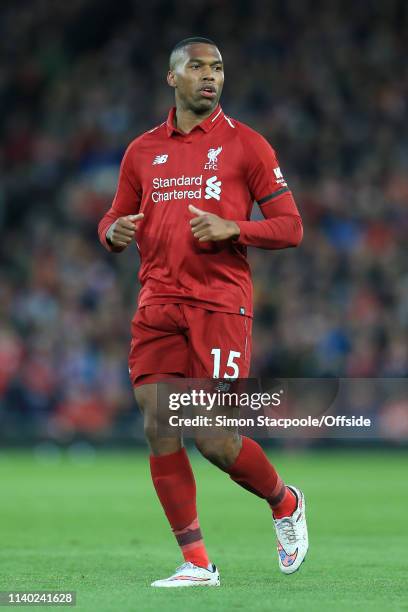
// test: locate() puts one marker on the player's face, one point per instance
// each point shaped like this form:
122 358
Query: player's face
198 77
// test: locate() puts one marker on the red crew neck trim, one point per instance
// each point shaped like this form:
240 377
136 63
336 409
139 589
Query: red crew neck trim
205 125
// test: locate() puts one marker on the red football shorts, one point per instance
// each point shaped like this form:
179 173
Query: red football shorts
170 340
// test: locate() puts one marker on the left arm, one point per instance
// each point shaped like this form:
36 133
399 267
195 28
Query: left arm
282 226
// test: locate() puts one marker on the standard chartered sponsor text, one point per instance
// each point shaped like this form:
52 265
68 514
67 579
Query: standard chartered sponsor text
163 184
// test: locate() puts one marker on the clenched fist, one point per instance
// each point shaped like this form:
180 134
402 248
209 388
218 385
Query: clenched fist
121 233
208 227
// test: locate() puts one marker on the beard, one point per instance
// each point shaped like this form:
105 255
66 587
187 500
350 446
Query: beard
198 105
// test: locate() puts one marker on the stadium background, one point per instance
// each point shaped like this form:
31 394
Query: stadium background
326 83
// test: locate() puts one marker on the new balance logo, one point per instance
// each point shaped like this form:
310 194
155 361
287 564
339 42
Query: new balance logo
212 188
222 386
160 159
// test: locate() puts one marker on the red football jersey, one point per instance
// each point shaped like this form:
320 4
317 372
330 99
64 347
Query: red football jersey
222 166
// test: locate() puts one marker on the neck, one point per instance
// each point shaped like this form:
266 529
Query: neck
185 119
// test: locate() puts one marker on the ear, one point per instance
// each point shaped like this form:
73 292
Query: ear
171 79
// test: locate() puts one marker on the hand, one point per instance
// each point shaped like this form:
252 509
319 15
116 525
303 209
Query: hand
209 227
122 231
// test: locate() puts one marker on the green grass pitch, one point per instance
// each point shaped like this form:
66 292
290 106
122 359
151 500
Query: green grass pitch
97 528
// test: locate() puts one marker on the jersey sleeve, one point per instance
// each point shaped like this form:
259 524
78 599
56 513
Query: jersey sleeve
264 176
127 198
282 227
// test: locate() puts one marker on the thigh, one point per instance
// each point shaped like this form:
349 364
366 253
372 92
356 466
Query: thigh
159 346
219 343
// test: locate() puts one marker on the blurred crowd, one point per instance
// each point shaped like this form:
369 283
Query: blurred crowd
325 82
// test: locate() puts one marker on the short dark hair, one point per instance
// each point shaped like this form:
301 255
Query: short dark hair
192 40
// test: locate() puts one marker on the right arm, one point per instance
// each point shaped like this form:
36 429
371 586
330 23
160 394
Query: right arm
117 227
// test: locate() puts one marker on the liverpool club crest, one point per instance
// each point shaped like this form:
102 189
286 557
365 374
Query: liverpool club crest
212 158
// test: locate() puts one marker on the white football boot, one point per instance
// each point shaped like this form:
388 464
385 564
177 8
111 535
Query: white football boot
291 532
190 575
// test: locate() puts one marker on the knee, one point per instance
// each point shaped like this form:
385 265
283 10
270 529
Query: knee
146 400
146 397
209 449
149 427
221 453
158 444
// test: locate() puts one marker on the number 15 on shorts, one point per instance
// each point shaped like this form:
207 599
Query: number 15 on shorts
232 369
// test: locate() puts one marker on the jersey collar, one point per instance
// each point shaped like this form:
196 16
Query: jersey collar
205 125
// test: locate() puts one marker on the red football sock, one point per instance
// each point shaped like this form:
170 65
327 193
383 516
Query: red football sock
174 482
253 471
